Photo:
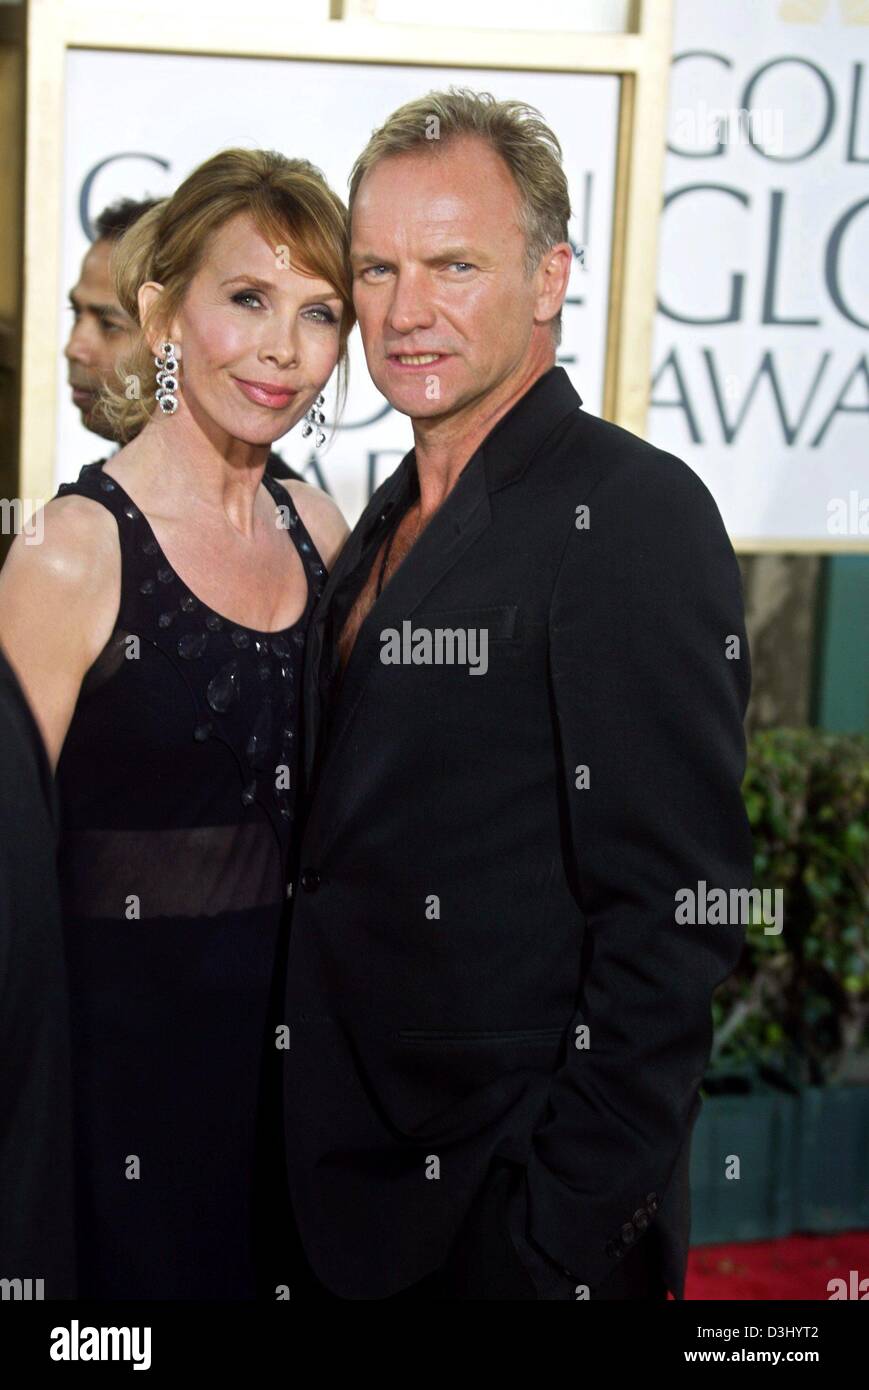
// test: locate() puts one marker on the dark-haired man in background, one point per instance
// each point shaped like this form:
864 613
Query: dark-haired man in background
102 332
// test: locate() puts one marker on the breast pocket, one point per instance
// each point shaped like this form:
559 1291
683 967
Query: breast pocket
499 621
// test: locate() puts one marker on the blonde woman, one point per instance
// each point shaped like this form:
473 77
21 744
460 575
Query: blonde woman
158 633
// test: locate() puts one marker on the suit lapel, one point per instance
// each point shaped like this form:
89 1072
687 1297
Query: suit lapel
455 527
345 579
465 514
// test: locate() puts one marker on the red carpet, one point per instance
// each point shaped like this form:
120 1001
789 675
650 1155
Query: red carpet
796 1267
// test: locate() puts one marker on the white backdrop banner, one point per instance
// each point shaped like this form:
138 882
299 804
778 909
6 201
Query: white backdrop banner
760 373
129 134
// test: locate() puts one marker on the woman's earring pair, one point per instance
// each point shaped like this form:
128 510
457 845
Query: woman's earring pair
168 384
167 378
315 418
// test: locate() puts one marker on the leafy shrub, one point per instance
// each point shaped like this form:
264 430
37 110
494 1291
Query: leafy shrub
796 1010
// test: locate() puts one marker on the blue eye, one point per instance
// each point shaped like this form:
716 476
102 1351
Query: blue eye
462 265
246 294
326 315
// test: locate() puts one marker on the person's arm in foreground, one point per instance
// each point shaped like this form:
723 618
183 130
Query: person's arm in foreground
650 694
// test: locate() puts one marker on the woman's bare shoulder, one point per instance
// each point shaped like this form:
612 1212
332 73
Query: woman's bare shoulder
63 575
322 516
71 542
59 595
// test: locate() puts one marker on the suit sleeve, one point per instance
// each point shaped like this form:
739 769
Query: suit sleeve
649 692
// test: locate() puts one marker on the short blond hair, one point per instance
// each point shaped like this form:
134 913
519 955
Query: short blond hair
514 130
290 203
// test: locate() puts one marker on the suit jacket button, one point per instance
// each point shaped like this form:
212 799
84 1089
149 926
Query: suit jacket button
652 1201
641 1219
310 880
629 1235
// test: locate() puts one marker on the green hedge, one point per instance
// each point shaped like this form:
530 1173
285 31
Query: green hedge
796 1011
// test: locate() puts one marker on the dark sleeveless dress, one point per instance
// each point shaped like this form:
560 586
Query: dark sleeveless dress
177 788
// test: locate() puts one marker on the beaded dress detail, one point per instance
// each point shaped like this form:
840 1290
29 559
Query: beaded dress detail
177 787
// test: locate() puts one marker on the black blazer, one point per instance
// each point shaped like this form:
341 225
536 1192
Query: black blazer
464 907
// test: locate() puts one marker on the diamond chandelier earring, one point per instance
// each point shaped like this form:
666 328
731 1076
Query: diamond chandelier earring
167 378
315 417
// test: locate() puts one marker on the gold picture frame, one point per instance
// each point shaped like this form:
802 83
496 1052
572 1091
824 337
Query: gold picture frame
42 31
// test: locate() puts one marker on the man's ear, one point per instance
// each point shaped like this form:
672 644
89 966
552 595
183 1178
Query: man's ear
148 295
553 278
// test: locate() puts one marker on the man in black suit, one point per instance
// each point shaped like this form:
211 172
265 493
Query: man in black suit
524 746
